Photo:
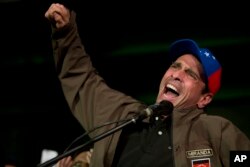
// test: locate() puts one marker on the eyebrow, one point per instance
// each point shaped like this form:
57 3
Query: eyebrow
200 75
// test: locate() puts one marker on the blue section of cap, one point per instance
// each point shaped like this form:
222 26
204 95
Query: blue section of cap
209 62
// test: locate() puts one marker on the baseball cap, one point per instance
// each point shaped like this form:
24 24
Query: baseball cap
210 64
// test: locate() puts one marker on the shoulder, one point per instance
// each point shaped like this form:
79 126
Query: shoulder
206 118
215 122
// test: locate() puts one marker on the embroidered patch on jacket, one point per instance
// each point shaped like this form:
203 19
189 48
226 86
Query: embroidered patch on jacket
201 162
199 153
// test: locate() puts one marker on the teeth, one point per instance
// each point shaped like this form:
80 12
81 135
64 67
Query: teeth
171 87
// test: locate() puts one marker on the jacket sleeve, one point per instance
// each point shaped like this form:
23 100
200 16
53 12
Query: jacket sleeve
232 139
88 96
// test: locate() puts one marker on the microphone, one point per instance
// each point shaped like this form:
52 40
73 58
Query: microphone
163 108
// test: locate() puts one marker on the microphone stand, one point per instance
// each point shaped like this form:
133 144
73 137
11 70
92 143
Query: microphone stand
93 140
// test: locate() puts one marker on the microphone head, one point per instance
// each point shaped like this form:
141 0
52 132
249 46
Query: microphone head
167 104
164 108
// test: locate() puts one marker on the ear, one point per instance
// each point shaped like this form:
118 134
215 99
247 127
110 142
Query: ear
205 100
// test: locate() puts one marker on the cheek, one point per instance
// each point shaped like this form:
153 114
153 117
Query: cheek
167 74
194 87
164 79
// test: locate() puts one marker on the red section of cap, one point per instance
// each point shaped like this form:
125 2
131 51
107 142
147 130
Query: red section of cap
214 81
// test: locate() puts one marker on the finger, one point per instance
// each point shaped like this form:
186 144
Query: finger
63 11
57 17
59 164
54 7
49 14
68 160
62 8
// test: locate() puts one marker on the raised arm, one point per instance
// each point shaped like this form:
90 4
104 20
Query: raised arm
88 96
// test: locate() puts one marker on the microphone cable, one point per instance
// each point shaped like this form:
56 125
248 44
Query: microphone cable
163 108
90 131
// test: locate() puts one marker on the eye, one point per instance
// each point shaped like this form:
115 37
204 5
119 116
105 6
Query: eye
175 65
192 74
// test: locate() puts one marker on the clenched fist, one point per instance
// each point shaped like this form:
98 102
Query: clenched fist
58 14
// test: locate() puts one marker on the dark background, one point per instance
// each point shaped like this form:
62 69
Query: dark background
128 45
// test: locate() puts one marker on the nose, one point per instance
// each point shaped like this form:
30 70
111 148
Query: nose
178 75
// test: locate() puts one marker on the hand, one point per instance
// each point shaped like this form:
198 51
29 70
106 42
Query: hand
84 157
58 14
7 165
65 162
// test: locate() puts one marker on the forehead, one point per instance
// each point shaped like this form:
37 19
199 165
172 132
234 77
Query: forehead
190 60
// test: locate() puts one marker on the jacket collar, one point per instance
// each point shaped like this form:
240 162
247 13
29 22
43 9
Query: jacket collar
185 116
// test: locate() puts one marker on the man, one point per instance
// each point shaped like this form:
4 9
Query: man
187 137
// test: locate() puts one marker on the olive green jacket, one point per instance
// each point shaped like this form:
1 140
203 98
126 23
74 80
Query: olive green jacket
196 136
